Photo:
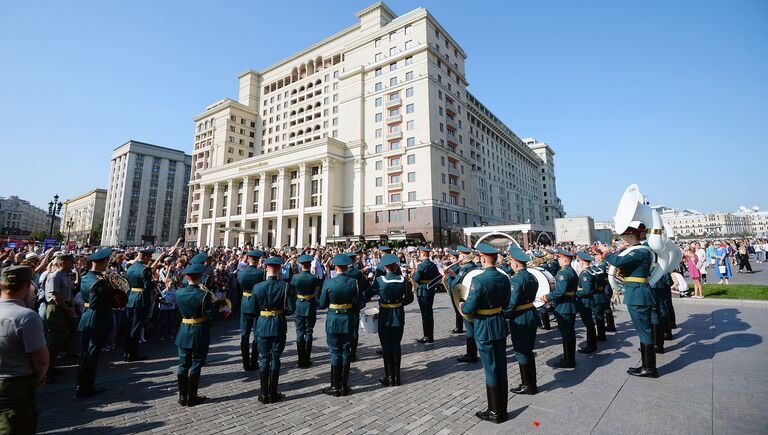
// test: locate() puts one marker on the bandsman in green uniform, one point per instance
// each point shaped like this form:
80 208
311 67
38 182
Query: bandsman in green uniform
247 279
635 266
659 312
544 310
426 271
95 323
394 291
610 324
449 280
140 278
341 296
563 297
488 295
273 304
355 271
506 265
523 319
195 304
599 299
467 265
199 258
304 291
584 301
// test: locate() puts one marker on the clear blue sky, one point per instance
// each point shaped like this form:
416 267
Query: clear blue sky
679 87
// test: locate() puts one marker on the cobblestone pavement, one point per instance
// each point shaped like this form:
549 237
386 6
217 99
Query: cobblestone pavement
712 381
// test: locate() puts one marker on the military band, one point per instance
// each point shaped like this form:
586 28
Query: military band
247 279
195 305
584 301
426 272
305 288
523 320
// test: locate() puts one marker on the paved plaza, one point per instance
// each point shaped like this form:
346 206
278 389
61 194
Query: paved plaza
712 381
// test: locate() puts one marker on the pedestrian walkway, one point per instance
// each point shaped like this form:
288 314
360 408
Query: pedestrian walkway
712 381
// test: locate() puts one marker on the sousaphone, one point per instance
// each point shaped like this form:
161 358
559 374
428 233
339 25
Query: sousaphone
461 290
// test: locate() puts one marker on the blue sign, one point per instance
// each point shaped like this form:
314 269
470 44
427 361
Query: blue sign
11 245
48 244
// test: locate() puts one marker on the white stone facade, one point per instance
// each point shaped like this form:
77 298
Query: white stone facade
81 215
552 207
19 217
370 132
147 195
579 230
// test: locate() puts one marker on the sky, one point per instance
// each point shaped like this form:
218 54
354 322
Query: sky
670 95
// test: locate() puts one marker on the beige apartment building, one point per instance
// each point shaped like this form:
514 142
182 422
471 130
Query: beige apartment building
83 214
147 195
370 133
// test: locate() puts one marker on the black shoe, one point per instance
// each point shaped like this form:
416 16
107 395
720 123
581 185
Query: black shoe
308 353
569 356
192 397
591 345
335 388
345 390
386 380
610 324
137 358
300 354
92 391
648 369
600 324
395 370
183 385
486 412
264 382
379 352
245 351
457 331
494 413
658 338
528 385
471 356
353 352
467 359
274 380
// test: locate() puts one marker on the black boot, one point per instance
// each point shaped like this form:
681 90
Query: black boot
569 356
635 370
494 413
591 346
264 381
245 351
183 382
395 371
308 353
254 356
528 379
545 321
300 353
353 350
648 369
134 353
335 388
345 391
501 402
386 380
532 386
458 323
192 397
85 383
522 388
274 380
431 330
426 338
672 317
658 338
471 356
610 325
483 415
665 322
600 324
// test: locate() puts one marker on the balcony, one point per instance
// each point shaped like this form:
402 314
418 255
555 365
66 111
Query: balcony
453 170
394 119
450 107
451 123
395 186
393 103
395 135
452 141
395 168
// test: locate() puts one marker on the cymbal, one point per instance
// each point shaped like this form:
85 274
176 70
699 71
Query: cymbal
459 292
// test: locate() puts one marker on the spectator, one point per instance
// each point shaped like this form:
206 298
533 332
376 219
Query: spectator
167 310
23 353
744 258
723 264
58 299
701 262
692 259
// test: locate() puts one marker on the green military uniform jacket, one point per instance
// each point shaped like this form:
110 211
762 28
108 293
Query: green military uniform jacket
490 290
392 289
598 284
635 264
248 278
584 290
425 273
362 283
306 284
341 290
566 283
524 287
272 295
194 303
140 276
607 290
380 271
96 292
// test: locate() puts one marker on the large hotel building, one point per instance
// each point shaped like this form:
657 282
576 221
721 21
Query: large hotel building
368 133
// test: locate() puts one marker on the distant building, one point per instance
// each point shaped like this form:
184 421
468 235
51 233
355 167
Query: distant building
552 208
81 215
20 218
578 230
147 195
692 223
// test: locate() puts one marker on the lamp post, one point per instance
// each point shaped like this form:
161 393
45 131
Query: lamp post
54 207
70 223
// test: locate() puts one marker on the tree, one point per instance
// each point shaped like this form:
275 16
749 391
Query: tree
96 235
39 235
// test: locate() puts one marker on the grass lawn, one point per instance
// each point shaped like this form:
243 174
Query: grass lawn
735 291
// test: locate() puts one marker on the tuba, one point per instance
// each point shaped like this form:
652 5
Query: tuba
632 212
120 288
461 290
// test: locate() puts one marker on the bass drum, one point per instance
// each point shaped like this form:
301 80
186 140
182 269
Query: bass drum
461 291
546 284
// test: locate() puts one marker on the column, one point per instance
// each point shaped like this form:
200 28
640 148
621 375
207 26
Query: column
358 196
263 189
245 207
326 228
280 207
202 212
525 240
213 233
300 228
228 221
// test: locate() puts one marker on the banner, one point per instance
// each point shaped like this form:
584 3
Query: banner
48 244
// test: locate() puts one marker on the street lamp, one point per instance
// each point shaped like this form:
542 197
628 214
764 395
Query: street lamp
54 207
70 223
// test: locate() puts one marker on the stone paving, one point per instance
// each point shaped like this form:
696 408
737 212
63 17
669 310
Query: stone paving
712 381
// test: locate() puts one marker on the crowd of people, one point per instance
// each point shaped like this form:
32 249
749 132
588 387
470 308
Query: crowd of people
55 279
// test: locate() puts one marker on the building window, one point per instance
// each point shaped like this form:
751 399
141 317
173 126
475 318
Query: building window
377 102
411 196
409 60
394 161
395 179
409 108
392 51
396 197
407 29
393 81
411 159
409 125
379 181
392 36
392 66
394 145
395 216
409 92
411 214
377 133
411 141
411 177
377 42
409 76
377 57
377 86
379 148
379 165
408 44
378 72
379 200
